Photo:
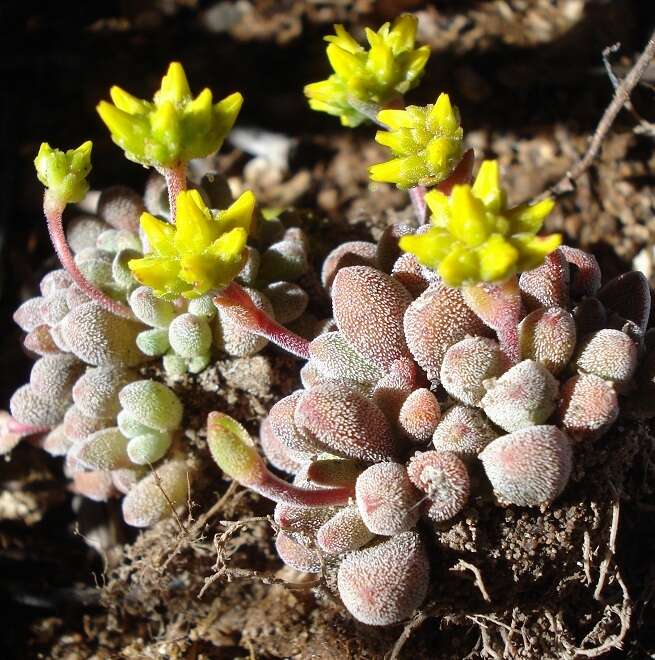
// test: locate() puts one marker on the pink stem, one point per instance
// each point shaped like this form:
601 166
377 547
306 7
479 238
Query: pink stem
500 306
245 313
417 195
278 490
53 210
175 182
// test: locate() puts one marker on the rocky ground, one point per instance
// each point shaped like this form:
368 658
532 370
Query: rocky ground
575 580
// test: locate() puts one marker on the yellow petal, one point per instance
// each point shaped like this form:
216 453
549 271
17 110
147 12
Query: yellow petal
228 109
498 259
174 85
416 61
125 101
467 221
487 186
390 172
120 123
229 246
526 218
160 235
380 62
403 33
201 107
459 267
439 206
443 116
395 140
344 39
430 248
238 214
534 249
194 225
395 119
344 63
159 273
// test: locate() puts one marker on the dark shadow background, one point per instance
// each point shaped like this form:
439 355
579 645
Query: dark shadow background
58 59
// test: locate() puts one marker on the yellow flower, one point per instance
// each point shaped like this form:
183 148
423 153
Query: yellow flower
427 143
64 174
203 251
390 68
174 127
475 238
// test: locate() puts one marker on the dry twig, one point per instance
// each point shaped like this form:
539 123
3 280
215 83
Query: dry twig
621 98
462 565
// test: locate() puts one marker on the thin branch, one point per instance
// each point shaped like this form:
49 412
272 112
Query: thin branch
414 623
621 98
462 565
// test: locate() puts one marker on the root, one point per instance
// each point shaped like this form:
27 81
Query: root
462 565
223 554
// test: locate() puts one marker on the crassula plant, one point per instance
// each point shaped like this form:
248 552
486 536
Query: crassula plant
160 278
468 354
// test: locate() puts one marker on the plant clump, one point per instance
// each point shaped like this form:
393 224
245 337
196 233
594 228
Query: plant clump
463 357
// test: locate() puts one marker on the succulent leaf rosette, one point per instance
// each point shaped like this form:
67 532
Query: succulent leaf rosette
426 142
204 250
474 237
174 127
388 69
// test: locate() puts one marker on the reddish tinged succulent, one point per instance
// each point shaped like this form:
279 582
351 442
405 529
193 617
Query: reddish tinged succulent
529 467
345 531
435 321
467 365
419 416
492 366
548 336
369 307
547 285
386 499
609 354
523 396
443 477
352 253
588 406
386 582
294 551
464 431
410 355
344 422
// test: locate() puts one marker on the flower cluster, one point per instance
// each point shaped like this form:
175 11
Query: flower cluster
64 174
474 237
426 142
204 250
174 127
386 71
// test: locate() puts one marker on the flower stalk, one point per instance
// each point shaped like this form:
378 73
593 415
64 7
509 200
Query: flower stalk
53 209
175 178
241 309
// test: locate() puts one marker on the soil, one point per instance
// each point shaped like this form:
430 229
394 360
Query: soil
574 580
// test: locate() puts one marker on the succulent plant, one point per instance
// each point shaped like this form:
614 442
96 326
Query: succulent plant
373 395
85 398
474 333
362 78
